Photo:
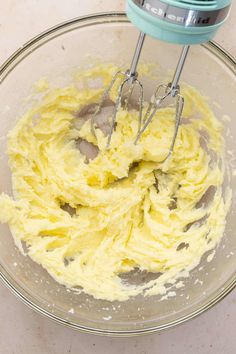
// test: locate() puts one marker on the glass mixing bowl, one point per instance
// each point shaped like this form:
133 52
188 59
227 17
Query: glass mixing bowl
57 54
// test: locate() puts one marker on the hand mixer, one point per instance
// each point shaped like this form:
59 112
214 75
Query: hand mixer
182 22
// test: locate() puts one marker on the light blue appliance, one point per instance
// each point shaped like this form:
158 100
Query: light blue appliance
184 22
179 21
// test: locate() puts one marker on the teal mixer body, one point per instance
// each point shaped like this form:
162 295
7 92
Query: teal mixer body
179 21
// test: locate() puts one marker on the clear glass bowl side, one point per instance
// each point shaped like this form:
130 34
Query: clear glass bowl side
57 55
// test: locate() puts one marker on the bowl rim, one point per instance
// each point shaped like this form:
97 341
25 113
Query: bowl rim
6 279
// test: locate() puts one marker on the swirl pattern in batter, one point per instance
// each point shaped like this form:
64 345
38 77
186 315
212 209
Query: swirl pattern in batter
88 221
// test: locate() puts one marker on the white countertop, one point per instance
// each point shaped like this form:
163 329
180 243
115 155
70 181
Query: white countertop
22 331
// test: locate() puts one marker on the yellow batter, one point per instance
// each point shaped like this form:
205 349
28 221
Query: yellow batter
87 223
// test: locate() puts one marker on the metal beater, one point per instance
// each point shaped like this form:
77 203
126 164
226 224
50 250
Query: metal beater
130 78
181 22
